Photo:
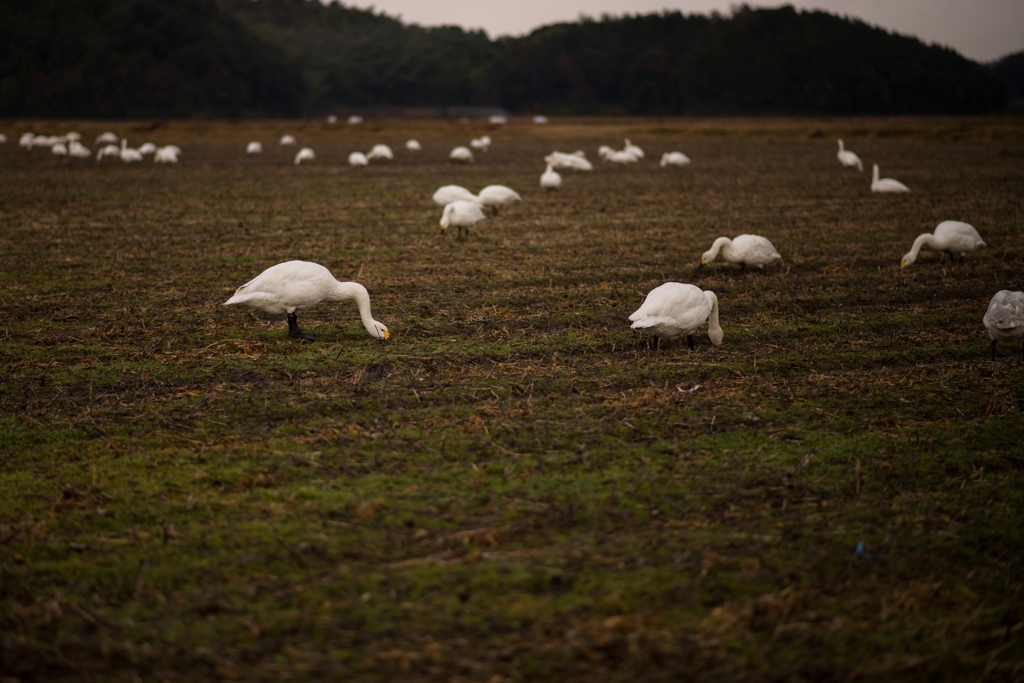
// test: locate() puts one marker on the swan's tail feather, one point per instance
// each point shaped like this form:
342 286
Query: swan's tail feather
651 321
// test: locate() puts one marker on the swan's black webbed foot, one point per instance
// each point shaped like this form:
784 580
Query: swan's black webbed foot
689 340
293 329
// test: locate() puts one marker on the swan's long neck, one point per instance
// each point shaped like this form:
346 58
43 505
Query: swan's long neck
922 240
124 144
874 175
840 146
355 291
720 244
715 333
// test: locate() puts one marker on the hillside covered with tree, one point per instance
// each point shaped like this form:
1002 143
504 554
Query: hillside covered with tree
283 57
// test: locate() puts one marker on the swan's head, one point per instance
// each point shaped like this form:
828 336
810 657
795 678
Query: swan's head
446 216
708 256
908 260
716 335
380 331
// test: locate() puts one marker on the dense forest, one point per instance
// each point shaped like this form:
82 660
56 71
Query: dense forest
181 58
1010 70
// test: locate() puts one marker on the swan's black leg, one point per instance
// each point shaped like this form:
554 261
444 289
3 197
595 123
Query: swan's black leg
293 329
1022 351
961 258
993 349
743 267
689 340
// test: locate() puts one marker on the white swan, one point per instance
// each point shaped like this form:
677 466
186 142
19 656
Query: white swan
453 193
166 155
461 154
633 149
287 140
305 154
292 285
497 119
540 118
174 149
849 159
413 145
70 137
254 148
497 196
108 151
380 152
1004 319
357 159
355 118
147 148
674 159
550 180
26 140
953 237
129 155
108 137
481 143
568 161
621 157
332 119
886 184
78 150
674 309
747 250
3 139
462 215
59 149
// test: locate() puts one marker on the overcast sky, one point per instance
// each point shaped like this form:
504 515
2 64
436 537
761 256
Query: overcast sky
979 29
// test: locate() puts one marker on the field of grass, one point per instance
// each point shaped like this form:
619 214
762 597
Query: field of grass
514 487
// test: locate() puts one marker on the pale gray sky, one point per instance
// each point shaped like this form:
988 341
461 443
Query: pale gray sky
979 29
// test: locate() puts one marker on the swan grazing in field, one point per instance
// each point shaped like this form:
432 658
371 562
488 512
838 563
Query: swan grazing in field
461 154
286 140
953 237
849 159
26 140
108 151
674 159
1004 319
886 184
497 196
354 119
574 162
254 148
380 152
462 215
413 145
674 309
481 143
633 149
497 119
550 180
3 139
108 137
147 148
166 155
747 250
129 155
59 150
453 193
78 150
540 118
305 154
357 159
292 285
70 137
621 157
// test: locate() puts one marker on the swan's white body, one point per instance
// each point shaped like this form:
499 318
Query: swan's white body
849 159
885 184
293 285
304 154
674 159
953 237
357 159
78 150
107 137
287 140
674 309
147 148
540 119
108 151
568 161
129 155
413 145
26 140
254 148
3 139
355 118
1004 319
332 119
621 157
173 149
380 152
481 143
453 193
633 149
166 155
550 180
746 250
497 119
70 137
462 215
497 196
59 150
461 154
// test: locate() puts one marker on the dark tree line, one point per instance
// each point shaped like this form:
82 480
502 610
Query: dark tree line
180 58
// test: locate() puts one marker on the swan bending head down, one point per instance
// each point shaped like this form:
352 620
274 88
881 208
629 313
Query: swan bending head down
747 250
674 309
953 237
289 286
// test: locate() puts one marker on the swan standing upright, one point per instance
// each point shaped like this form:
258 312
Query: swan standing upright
550 180
953 237
129 155
293 285
885 184
674 309
463 215
849 159
747 250
1004 319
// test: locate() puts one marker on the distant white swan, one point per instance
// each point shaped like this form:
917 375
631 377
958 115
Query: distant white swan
380 152
621 157
26 140
497 196
481 143
953 237
674 159
886 184
78 150
453 193
129 155
70 137
849 159
293 285
108 151
355 118
357 159
575 162
166 155
174 149
287 140
462 215
107 137
3 139
461 154
305 154
1004 319
747 250
413 145
332 119
674 309
540 119
550 180
147 148
254 148
497 119
59 149
633 149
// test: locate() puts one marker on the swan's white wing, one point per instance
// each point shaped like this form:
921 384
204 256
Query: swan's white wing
1005 314
671 309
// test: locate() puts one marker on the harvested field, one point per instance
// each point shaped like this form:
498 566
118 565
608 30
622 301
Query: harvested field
515 487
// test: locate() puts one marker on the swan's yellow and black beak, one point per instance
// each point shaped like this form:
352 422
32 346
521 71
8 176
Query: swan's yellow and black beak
701 263
385 335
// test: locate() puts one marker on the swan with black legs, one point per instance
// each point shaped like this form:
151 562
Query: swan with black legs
462 215
952 237
675 309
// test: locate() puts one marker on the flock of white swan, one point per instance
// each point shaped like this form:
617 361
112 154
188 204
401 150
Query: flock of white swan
670 310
